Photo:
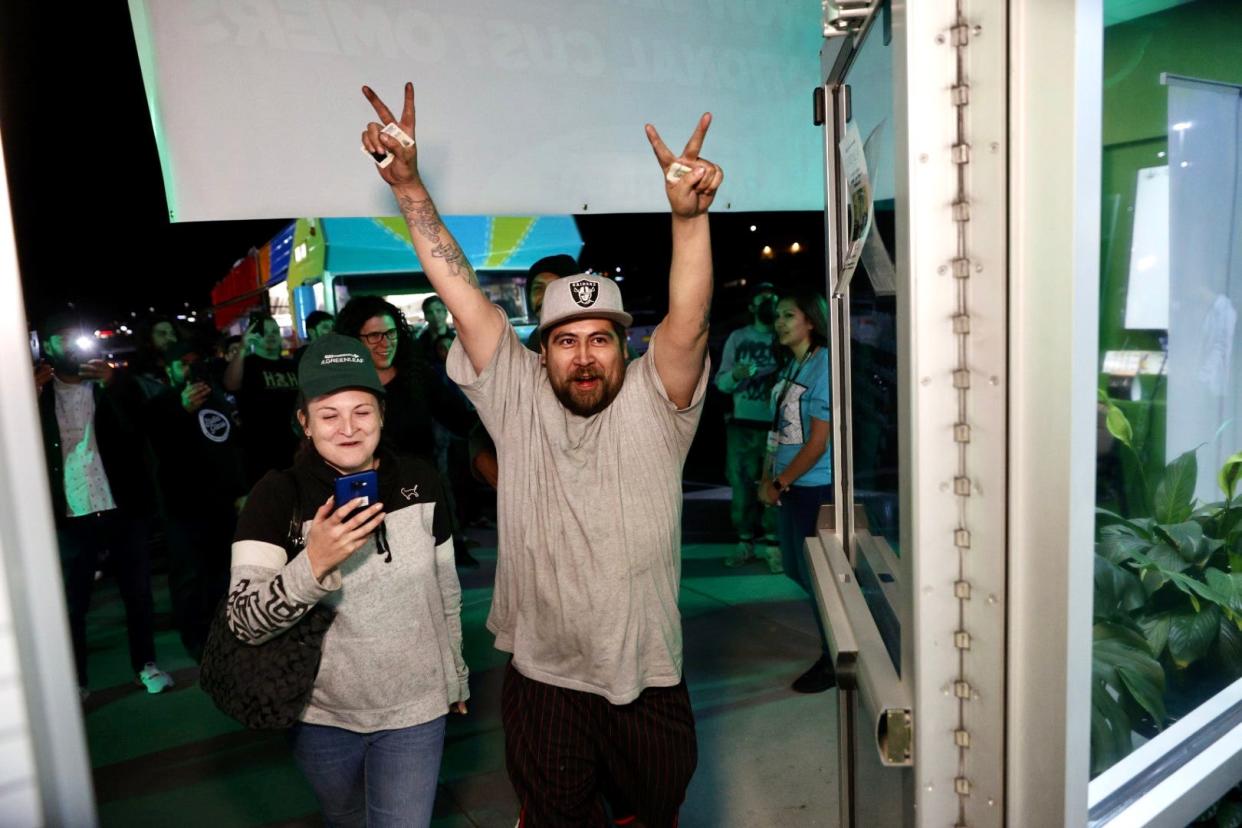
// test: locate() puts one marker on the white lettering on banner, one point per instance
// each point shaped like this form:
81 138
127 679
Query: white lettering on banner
421 35
343 28
308 27
363 30
507 90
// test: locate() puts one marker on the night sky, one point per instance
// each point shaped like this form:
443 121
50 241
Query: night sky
90 215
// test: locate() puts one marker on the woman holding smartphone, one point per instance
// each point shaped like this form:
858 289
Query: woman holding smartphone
798 473
372 734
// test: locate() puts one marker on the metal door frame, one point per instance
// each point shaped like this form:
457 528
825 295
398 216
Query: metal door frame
951 193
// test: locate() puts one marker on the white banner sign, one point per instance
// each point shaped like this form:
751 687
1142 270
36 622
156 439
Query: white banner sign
524 106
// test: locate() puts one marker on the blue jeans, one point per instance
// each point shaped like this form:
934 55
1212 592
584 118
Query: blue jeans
377 780
795 522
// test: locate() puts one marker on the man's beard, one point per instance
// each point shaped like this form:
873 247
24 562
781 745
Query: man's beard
586 404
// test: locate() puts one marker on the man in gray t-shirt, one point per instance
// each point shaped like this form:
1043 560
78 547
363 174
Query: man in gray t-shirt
589 497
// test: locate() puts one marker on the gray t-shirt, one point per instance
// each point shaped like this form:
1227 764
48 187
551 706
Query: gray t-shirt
589 562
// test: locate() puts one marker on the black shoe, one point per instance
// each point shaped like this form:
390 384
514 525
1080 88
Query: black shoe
819 678
464 559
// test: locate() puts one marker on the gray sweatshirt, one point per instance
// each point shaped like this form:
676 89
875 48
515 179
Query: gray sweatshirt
392 657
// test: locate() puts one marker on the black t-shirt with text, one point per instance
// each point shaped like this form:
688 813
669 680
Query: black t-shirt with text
266 403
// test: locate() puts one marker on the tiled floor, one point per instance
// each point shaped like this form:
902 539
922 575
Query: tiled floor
766 755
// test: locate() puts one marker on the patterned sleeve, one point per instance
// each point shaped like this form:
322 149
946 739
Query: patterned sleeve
268 591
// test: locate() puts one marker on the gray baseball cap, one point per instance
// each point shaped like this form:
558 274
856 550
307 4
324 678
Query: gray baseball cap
584 296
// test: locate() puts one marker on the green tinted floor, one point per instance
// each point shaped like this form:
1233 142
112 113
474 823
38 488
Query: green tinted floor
766 755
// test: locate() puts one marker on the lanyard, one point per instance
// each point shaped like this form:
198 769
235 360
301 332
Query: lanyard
789 378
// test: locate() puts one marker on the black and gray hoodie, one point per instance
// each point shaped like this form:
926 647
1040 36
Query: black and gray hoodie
392 657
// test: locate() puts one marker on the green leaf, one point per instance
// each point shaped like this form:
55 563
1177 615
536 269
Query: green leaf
1117 590
1121 660
1191 634
1229 814
1105 518
1175 493
1164 557
1229 648
1116 544
1195 588
1111 739
1119 426
1228 585
1156 631
1230 474
1187 538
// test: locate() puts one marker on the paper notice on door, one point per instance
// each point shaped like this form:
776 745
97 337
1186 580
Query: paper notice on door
858 200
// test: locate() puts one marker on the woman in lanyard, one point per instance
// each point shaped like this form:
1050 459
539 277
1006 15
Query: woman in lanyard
798 472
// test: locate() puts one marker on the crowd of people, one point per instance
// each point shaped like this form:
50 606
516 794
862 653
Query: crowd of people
237 453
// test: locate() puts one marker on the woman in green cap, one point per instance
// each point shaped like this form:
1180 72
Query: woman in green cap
371 736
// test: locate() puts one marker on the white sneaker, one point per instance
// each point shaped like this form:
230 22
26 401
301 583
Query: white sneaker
154 679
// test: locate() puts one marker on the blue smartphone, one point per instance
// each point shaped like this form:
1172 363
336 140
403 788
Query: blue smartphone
351 486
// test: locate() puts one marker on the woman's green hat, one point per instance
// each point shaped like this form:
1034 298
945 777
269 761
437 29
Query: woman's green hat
334 362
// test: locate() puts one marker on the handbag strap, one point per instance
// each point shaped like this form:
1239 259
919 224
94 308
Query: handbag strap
294 540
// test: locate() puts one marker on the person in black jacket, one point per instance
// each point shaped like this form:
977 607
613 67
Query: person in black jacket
415 393
201 474
102 497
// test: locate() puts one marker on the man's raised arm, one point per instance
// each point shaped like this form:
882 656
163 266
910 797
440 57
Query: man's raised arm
452 276
683 333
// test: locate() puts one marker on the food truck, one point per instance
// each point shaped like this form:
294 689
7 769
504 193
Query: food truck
319 263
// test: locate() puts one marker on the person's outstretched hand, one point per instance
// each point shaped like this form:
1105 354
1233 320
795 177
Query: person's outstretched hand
693 193
404 166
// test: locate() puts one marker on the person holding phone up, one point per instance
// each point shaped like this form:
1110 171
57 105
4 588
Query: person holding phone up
266 385
200 470
371 736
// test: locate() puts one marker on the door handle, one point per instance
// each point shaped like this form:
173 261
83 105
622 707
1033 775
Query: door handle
858 651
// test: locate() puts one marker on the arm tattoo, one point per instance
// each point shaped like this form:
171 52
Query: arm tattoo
706 318
425 220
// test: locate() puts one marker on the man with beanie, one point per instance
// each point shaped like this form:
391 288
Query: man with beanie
591 455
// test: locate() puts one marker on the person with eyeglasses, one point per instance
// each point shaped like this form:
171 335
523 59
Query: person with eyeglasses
417 395
266 385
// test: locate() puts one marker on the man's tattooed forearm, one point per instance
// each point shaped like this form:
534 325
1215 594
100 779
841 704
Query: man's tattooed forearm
423 218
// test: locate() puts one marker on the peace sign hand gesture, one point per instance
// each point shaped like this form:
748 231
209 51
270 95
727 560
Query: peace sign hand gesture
404 166
694 192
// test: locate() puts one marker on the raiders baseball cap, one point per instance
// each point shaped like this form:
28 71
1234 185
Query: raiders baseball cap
584 296
334 362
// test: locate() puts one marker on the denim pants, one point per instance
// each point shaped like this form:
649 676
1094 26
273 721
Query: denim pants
795 523
385 779
745 449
